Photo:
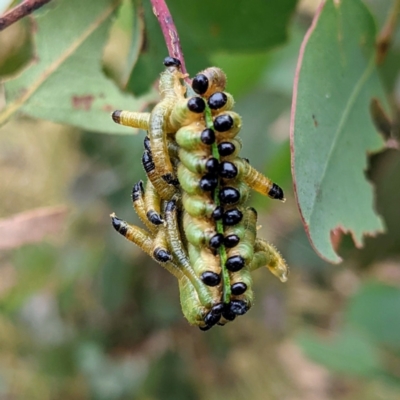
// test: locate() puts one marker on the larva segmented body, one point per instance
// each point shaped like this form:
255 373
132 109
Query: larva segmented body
199 227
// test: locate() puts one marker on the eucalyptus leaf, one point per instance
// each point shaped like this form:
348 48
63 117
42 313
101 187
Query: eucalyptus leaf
65 82
243 25
375 308
349 351
332 130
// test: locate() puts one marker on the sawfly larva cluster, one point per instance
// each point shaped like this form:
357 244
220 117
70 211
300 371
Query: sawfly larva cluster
194 202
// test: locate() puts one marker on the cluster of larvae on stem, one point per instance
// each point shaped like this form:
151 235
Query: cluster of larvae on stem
193 205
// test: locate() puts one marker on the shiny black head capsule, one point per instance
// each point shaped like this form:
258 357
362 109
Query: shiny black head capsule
239 307
171 62
217 240
211 318
208 183
232 217
217 213
228 313
208 136
226 149
162 255
231 241
218 308
229 195
235 263
212 165
238 288
200 84
228 170
223 123
217 100
196 105
210 278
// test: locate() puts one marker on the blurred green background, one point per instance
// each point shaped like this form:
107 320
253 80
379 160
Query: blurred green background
87 315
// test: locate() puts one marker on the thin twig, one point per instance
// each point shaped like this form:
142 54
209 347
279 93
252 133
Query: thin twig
386 35
160 10
20 11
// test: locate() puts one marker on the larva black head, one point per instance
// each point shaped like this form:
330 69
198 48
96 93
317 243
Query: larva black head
217 240
171 62
239 307
232 217
238 288
212 165
226 149
212 318
229 195
217 100
207 136
218 308
228 170
223 123
235 263
231 241
217 213
154 217
210 278
228 314
200 84
196 105
208 183
162 255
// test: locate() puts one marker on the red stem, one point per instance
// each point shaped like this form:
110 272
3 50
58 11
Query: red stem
20 11
160 10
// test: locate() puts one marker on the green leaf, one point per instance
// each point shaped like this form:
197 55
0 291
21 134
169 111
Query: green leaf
65 82
348 352
332 131
223 25
375 308
233 64
208 26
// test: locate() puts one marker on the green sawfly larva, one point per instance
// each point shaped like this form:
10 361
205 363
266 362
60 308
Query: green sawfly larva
194 204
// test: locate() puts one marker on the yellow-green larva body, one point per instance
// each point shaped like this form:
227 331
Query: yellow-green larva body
194 204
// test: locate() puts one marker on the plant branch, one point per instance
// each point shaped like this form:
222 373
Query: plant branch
20 11
160 10
386 35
